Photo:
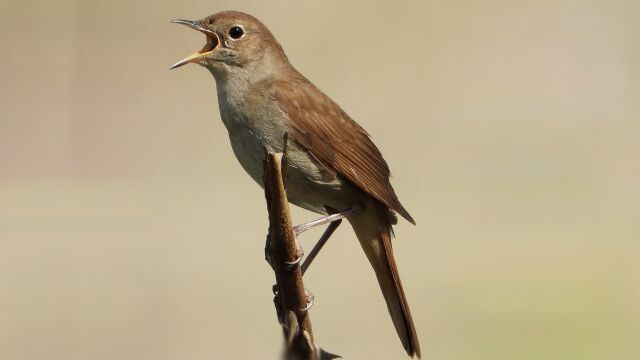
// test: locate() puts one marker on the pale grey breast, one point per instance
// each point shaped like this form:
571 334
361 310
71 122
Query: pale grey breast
260 124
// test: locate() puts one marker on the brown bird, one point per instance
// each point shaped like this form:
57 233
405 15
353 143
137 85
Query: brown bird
332 162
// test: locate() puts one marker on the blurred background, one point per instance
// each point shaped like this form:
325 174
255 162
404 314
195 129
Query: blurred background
129 231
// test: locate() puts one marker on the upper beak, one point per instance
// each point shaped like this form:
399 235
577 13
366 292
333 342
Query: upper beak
212 42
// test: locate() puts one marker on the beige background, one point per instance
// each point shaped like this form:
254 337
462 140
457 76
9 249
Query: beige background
129 231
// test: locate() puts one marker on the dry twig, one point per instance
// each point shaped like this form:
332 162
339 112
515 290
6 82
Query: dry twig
291 300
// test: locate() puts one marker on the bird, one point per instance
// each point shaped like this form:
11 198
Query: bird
332 163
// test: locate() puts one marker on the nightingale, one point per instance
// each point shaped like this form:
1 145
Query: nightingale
331 164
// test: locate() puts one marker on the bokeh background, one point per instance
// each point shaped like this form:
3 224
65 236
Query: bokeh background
129 231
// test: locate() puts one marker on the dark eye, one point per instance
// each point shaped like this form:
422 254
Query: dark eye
236 32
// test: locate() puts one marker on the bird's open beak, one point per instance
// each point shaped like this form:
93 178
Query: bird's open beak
212 43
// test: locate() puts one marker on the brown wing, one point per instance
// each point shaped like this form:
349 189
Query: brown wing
324 129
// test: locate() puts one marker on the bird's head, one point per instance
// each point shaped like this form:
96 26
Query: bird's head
235 41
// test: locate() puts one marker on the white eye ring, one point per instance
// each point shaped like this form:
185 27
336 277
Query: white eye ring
236 32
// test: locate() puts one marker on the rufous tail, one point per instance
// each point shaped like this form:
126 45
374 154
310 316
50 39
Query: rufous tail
373 229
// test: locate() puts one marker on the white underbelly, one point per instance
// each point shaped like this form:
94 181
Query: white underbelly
307 185
249 151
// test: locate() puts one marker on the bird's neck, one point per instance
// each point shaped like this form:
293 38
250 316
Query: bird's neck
271 65
235 82
237 86
230 79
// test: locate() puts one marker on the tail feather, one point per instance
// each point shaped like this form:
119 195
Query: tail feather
373 229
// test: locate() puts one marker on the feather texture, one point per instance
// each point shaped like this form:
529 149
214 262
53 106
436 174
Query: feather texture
325 130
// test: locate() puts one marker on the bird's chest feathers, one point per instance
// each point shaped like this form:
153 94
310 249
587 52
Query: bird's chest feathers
251 130
255 124
232 105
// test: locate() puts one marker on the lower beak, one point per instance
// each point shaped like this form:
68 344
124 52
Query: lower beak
210 46
195 57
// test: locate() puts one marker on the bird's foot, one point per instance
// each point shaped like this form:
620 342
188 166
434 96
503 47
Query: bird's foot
288 266
309 298
291 266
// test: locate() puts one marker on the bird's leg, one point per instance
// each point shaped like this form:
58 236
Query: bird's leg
334 220
318 246
299 229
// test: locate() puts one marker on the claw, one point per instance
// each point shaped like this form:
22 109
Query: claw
309 298
290 266
294 262
309 306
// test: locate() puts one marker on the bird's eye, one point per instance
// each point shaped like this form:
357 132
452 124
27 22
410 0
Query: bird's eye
236 32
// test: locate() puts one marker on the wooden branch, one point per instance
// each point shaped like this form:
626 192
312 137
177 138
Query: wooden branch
283 244
281 251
